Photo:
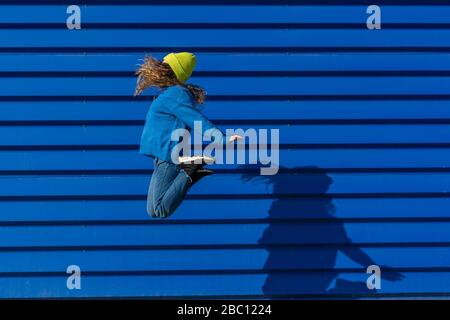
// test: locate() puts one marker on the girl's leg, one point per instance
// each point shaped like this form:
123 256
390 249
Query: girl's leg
167 189
156 177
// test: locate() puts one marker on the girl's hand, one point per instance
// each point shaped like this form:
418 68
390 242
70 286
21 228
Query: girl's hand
235 137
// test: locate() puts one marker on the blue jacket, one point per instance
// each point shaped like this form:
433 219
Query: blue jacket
173 109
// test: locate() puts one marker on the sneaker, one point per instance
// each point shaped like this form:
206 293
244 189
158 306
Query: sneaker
196 160
190 168
199 174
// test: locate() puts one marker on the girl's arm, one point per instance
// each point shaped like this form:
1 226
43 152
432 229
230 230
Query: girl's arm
183 108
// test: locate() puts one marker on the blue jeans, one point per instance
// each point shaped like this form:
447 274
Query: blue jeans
167 189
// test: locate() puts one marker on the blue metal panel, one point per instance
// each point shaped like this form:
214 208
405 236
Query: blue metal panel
134 184
364 120
121 209
220 63
239 111
240 86
312 135
349 159
266 38
231 14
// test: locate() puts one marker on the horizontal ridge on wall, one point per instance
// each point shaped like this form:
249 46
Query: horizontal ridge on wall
220 185
208 38
88 111
124 63
300 160
192 210
290 134
204 260
234 2
212 15
236 86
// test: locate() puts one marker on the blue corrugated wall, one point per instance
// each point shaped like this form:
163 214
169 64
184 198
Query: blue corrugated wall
364 119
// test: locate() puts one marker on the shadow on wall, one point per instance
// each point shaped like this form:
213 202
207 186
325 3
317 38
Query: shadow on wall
303 262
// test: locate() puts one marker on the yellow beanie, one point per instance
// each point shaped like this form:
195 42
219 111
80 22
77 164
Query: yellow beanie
182 64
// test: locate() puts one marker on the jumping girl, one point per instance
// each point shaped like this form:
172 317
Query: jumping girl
174 108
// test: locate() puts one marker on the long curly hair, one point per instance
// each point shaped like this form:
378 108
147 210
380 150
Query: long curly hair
155 73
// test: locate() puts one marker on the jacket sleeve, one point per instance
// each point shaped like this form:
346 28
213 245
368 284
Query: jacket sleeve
183 108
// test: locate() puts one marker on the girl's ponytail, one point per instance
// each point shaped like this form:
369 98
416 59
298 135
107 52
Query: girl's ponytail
155 73
198 93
